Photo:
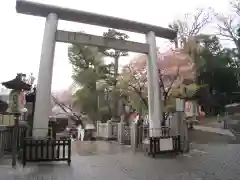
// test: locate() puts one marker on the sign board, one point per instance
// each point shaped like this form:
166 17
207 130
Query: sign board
87 39
191 108
180 106
166 144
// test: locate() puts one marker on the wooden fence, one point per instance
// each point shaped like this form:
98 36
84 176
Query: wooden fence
157 145
6 139
166 142
46 150
2 145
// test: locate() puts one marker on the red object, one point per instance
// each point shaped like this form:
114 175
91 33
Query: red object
22 98
133 115
201 115
188 107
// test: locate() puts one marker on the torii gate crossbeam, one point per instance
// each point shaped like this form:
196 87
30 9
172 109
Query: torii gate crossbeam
52 34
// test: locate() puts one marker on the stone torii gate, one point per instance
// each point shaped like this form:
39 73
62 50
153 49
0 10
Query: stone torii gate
53 35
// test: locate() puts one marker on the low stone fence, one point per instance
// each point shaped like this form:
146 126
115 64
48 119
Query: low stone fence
107 131
133 135
114 131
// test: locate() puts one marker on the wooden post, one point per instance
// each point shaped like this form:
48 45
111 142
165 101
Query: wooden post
24 156
120 132
33 110
186 139
69 151
15 138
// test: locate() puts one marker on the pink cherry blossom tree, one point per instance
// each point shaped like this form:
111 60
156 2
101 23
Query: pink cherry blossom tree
174 67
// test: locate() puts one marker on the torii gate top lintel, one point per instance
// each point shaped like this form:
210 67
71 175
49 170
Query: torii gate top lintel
39 9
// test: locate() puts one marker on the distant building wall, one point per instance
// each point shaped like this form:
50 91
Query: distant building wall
4 97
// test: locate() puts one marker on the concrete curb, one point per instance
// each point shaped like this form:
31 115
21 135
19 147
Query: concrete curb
214 130
236 134
115 142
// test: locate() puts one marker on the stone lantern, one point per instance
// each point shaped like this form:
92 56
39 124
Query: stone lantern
16 99
17 86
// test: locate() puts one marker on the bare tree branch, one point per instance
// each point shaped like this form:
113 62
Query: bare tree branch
191 25
201 18
236 6
139 93
172 82
165 89
228 28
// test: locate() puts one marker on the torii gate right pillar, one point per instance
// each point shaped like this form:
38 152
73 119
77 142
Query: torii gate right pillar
155 108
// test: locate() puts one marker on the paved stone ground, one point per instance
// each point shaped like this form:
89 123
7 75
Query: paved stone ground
106 161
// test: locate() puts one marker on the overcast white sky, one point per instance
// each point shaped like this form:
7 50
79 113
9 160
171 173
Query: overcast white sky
21 35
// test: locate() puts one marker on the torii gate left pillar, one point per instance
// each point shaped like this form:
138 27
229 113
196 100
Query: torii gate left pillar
43 105
51 35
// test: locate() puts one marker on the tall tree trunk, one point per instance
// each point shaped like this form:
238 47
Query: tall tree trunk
115 98
94 109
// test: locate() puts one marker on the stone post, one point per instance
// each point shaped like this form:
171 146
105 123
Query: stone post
98 129
134 140
120 132
109 130
182 128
